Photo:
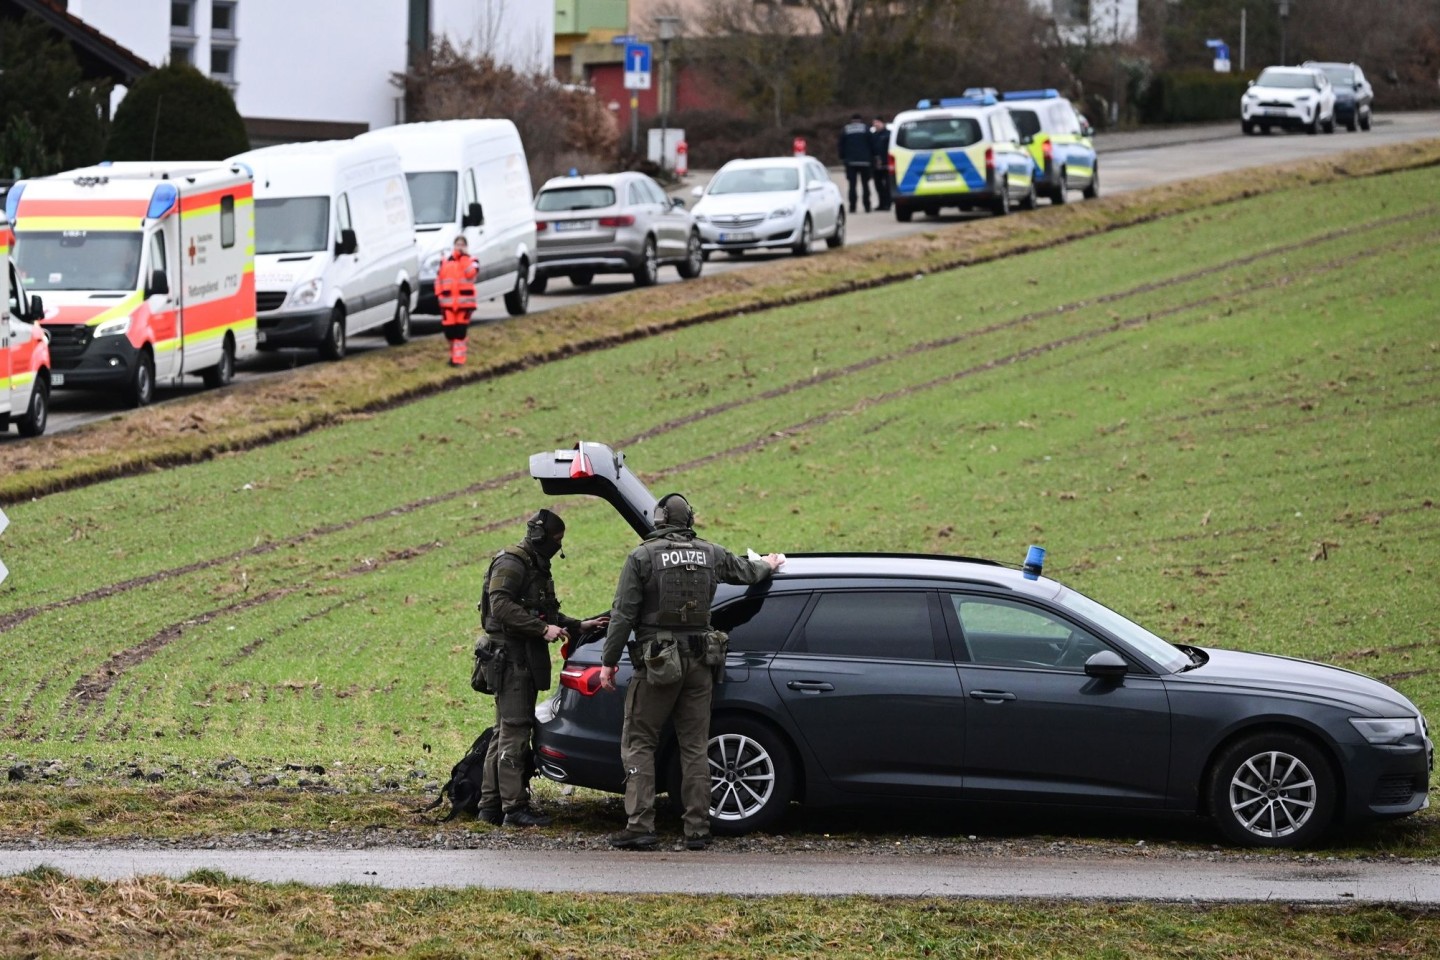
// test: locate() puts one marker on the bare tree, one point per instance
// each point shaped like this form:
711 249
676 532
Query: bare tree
765 49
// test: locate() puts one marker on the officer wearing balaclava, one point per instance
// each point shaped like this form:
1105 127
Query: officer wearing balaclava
520 607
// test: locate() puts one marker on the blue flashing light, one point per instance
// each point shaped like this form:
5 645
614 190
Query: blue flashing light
981 92
573 172
1034 562
105 163
985 101
162 201
12 202
1049 93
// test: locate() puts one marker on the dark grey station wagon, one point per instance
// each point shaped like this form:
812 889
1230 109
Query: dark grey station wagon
860 678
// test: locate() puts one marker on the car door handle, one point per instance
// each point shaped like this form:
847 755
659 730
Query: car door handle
992 696
810 686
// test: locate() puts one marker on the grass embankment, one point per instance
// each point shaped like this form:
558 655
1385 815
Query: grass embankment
253 414
206 914
1223 423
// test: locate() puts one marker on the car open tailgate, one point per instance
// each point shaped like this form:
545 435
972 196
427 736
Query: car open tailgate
593 469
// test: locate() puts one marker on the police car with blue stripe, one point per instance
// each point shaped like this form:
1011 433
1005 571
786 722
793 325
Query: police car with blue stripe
960 152
1058 140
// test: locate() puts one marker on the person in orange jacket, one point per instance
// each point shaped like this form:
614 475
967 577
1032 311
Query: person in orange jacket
455 292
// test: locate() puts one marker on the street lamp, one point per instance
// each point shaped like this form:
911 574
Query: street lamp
1284 22
669 29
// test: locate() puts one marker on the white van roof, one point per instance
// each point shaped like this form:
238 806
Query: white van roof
441 144
318 166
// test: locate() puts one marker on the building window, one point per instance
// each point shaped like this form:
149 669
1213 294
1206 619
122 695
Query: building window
222 62
182 53
182 16
222 18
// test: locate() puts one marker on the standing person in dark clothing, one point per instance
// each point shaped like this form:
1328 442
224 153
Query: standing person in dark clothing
858 155
880 146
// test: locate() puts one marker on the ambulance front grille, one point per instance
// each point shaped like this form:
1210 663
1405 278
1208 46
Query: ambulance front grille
68 339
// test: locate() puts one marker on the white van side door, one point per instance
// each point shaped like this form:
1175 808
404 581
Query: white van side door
347 272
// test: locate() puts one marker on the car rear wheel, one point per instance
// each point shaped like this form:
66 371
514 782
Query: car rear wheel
752 776
397 331
1272 790
1002 198
1330 124
37 415
649 270
903 214
807 237
1061 195
224 371
1028 202
1365 120
1247 128
837 239
694 261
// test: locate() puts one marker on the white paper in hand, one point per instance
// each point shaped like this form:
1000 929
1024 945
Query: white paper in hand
752 555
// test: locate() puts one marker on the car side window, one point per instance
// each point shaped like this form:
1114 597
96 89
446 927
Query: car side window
888 625
760 622
637 196
1003 632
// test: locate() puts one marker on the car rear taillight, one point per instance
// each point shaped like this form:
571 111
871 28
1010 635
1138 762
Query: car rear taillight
1048 149
580 467
989 160
625 221
541 226
890 164
586 680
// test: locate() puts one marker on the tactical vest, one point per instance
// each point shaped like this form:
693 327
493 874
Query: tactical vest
536 595
681 585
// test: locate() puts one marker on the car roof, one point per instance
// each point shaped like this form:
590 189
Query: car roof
911 566
765 162
1311 69
944 113
588 180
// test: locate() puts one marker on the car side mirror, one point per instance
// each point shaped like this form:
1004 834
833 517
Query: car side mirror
348 243
1106 664
813 186
159 284
474 216
677 203
697 192
37 310
1249 83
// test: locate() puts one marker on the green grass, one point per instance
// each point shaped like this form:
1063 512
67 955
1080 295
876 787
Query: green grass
1223 423
208 914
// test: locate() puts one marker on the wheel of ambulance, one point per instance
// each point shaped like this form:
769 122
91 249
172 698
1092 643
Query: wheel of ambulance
397 331
1061 193
224 371
752 776
694 261
903 214
142 380
1028 202
807 237
539 284
649 269
1092 189
37 415
1273 790
517 301
1002 199
836 240
333 346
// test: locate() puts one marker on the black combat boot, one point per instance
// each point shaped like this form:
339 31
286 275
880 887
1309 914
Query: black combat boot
628 839
491 815
698 841
526 817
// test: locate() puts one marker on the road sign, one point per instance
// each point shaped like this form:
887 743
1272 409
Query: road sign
637 66
4 522
624 39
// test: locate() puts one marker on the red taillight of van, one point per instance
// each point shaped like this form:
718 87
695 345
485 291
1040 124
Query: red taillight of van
989 160
541 226
624 221
586 680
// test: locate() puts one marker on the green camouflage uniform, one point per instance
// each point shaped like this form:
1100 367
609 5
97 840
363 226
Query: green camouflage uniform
521 600
640 602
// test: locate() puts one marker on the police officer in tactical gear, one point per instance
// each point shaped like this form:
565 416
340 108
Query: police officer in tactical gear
521 609
664 596
880 148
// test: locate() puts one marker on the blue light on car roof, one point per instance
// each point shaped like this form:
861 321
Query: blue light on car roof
162 201
1049 93
985 101
980 92
12 202
1034 562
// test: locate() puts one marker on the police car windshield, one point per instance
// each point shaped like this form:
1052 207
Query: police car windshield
938 133
292 224
1026 121
79 260
1286 80
575 198
433 196
755 180
1153 647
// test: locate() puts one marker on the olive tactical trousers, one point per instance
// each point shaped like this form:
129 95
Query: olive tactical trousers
504 785
647 707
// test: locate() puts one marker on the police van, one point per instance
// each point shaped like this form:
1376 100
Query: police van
1058 140
24 351
958 152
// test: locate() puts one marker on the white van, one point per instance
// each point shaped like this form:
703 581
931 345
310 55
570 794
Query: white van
335 250
470 177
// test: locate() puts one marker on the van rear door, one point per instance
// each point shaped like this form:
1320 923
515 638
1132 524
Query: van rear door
593 469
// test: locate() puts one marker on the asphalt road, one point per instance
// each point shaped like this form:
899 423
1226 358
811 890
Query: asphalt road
715 872
1129 161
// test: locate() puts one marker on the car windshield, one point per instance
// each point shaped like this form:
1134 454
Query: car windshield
1340 76
939 133
79 259
292 224
1286 80
1026 121
433 196
561 199
755 180
1140 639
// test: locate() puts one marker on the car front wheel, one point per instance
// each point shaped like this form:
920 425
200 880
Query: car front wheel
807 237
1272 790
752 776
837 239
694 261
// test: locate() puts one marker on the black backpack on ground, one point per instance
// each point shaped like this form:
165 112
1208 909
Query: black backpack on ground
466 777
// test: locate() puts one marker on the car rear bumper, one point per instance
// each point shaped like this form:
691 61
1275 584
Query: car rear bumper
569 753
608 261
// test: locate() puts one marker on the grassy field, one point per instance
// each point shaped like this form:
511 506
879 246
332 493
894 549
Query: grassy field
1224 424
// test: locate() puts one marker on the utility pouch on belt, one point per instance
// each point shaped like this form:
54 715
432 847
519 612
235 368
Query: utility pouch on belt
488 673
663 666
717 644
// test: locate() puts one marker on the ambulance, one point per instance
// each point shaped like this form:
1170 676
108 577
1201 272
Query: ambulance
958 152
24 352
147 271
1058 140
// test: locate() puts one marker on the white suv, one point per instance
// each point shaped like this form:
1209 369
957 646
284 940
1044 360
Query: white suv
1295 97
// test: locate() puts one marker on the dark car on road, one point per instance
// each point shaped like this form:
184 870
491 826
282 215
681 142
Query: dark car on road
1354 97
865 677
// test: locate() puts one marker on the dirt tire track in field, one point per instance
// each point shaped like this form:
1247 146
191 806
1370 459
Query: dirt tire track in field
10 620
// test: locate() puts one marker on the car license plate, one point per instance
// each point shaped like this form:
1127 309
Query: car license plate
58 379
1274 111
937 177
562 226
740 237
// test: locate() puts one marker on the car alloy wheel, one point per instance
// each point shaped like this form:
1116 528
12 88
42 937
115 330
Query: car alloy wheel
1273 790
751 776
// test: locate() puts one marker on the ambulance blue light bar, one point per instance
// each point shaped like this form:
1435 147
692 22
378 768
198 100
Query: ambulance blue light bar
162 201
985 101
1049 93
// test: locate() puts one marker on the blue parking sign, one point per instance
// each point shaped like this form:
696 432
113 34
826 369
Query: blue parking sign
637 66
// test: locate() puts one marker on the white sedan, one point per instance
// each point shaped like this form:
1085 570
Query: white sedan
770 203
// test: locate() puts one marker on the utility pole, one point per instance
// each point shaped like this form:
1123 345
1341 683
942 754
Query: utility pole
1242 39
1284 23
669 29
